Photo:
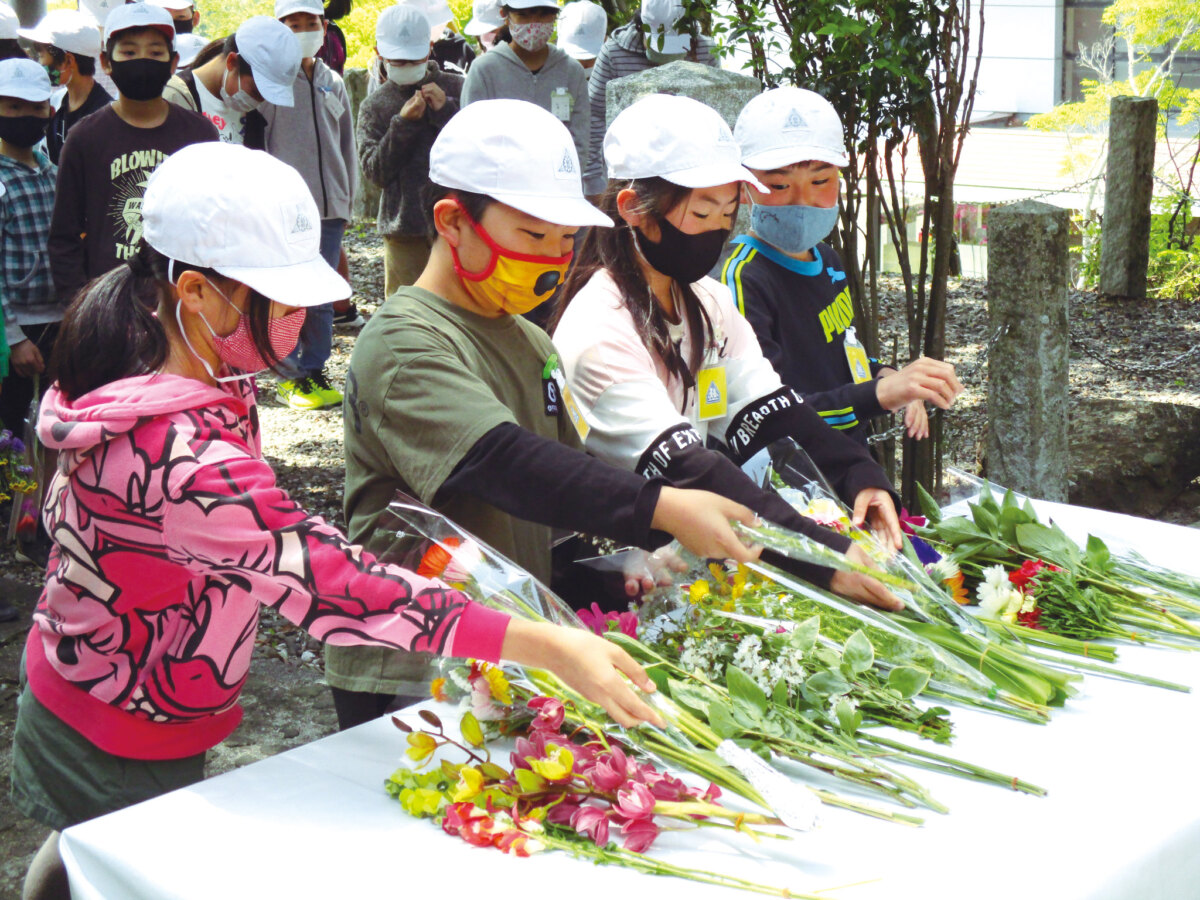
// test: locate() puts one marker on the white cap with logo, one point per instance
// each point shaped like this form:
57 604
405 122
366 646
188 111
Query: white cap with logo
273 53
100 8
24 79
71 30
659 17
188 46
10 25
287 7
518 153
139 15
402 32
581 29
485 17
676 138
790 125
244 214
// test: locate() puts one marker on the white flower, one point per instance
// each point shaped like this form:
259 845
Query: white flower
944 569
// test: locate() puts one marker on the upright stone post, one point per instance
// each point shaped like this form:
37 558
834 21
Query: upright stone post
1128 186
1027 365
366 200
726 92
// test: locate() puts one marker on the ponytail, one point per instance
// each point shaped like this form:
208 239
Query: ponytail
111 331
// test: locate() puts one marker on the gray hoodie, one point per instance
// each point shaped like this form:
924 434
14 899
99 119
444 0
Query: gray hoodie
316 137
500 74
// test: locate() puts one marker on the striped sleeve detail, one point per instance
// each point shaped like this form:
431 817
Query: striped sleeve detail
732 274
841 419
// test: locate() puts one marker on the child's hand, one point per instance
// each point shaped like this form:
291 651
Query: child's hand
876 504
434 96
587 663
863 588
700 521
916 420
923 379
414 108
26 359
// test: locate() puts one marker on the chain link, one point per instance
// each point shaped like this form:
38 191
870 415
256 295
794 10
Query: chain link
1051 193
1106 360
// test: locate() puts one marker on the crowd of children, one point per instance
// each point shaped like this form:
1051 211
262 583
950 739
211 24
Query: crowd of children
169 232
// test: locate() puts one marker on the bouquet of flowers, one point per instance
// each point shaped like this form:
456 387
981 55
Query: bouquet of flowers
566 791
16 476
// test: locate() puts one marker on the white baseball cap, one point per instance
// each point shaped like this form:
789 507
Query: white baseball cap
789 125
100 8
67 29
402 32
274 57
676 138
244 214
188 46
139 15
518 153
437 13
485 17
659 17
10 25
25 79
581 29
532 4
287 7
172 4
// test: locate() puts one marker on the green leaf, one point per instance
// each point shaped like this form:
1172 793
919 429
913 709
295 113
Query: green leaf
779 695
849 718
748 697
858 654
1010 518
959 529
986 499
471 732
988 521
720 720
908 680
691 695
1097 555
1048 543
823 685
804 635
929 506
493 772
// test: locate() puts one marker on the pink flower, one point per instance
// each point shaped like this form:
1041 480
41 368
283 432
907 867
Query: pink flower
609 772
601 622
635 803
629 623
594 619
713 794
562 813
593 822
639 835
550 713
524 749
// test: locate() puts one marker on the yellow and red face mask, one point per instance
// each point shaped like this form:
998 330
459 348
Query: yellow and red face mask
511 282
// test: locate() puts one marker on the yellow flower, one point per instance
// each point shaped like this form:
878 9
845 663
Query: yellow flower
437 690
470 783
498 685
698 591
558 765
420 746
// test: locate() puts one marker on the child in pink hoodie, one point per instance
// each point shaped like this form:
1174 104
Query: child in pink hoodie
169 530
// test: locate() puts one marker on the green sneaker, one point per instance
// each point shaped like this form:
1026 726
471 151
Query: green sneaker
300 394
330 396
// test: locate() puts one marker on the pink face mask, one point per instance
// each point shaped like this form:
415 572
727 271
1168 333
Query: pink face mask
237 350
532 36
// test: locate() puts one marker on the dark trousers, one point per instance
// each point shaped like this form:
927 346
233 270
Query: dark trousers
17 391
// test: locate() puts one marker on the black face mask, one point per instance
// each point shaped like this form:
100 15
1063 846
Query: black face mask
183 26
684 257
141 79
23 131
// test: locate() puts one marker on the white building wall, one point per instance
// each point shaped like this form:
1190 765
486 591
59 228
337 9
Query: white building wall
1021 71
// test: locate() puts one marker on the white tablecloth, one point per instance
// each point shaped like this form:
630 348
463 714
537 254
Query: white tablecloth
1122 819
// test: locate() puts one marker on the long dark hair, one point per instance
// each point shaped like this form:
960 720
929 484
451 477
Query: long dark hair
110 331
614 250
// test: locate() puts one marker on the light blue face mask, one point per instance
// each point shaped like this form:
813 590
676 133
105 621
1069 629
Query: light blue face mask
793 229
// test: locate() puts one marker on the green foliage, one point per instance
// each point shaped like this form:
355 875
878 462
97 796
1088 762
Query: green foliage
1174 269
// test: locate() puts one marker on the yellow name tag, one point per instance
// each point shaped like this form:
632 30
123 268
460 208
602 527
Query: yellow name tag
710 389
582 428
860 365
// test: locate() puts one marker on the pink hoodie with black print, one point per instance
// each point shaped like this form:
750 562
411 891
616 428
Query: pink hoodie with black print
169 531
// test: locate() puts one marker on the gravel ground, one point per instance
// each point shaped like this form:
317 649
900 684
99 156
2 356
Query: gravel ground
286 701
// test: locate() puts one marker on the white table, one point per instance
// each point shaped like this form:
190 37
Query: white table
1122 819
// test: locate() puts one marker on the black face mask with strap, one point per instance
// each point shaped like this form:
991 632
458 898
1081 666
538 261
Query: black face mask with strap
685 257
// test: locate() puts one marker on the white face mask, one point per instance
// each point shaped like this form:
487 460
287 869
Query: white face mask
310 42
404 74
240 102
